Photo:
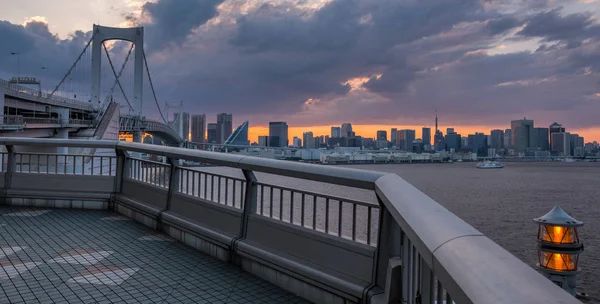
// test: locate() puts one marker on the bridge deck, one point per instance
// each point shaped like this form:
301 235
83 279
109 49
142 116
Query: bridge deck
84 256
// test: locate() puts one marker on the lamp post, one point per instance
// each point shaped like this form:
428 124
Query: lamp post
18 64
559 248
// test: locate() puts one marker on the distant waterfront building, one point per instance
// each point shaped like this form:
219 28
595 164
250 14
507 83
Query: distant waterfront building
224 126
297 142
393 134
449 131
561 143
507 138
426 136
263 141
555 128
497 139
576 141
464 142
212 133
417 146
308 140
347 130
278 134
381 135
239 137
453 141
542 139
181 127
522 134
199 128
336 132
404 139
478 143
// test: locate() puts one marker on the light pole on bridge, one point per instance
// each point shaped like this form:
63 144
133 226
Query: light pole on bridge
18 64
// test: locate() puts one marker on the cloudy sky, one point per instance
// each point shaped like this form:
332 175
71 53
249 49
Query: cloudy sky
480 63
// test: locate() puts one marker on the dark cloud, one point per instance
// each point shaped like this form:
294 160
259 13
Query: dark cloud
499 26
552 26
171 21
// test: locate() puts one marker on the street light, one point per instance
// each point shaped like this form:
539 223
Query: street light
559 248
18 64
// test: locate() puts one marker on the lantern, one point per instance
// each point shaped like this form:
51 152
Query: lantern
559 248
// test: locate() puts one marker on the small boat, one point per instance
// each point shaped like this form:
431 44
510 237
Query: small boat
489 164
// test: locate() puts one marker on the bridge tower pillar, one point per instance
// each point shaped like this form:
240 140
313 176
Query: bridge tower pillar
134 35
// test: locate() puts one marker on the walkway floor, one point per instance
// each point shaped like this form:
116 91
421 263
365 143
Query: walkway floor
84 256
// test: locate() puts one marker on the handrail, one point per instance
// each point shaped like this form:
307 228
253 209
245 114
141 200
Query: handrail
20 90
432 243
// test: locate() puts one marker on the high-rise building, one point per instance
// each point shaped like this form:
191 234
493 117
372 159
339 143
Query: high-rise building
555 128
541 139
239 137
453 141
182 127
278 134
393 134
507 138
347 130
263 141
297 142
417 146
449 131
575 142
381 135
478 143
496 139
561 143
308 140
199 128
224 126
404 139
336 132
426 136
523 136
211 131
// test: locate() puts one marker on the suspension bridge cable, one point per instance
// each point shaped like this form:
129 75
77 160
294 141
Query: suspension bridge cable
72 66
153 92
117 81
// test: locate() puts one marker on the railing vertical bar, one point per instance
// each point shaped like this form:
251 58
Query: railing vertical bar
281 204
212 188
314 218
340 218
271 200
448 298
110 165
291 207
234 194
262 198
38 164
302 211
440 292
65 157
354 222
327 215
409 269
205 184
369 225
83 165
193 183
415 280
219 189
227 193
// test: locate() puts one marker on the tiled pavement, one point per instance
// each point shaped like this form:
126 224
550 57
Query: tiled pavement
84 256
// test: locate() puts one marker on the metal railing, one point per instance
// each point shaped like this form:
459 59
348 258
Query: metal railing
41 120
11 122
422 252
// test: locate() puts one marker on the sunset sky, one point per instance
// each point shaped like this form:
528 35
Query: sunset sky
316 63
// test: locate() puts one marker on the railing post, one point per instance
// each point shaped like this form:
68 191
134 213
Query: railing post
389 265
122 169
250 202
174 182
11 166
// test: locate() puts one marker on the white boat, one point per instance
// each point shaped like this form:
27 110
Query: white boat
490 164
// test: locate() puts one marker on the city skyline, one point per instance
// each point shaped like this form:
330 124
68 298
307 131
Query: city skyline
502 61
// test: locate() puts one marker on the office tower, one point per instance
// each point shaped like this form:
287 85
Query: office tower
426 136
199 128
347 130
561 143
263 141
542 138
507 138
453 141
308 140
336 132
278 134
555 128
297 142
381 135
478 143
182 127
212 133
224 126
393 134
523 135
449 131
496 139
239 137
404 139
575 142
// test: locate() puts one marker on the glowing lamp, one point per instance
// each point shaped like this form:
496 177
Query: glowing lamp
559 248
